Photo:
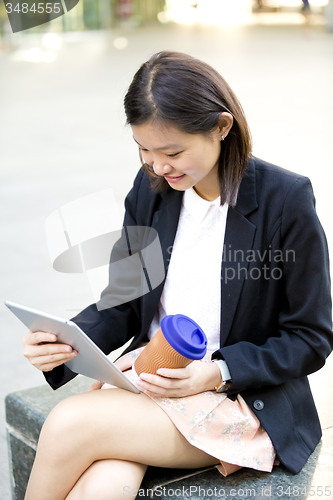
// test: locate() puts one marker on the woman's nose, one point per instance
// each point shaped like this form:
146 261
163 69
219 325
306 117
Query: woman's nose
161 168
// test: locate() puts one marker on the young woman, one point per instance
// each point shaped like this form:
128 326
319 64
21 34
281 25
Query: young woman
244 256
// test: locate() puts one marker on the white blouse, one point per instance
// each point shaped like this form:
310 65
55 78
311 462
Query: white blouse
193 283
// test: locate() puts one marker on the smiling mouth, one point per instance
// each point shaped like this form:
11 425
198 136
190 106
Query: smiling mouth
174 179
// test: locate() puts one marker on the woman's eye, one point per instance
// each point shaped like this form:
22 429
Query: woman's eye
173 155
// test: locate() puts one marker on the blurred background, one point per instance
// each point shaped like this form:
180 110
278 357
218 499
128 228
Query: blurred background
63 136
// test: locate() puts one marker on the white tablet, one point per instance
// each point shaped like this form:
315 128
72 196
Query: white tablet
89 361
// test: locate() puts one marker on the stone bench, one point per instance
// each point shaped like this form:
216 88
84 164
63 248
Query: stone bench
26 412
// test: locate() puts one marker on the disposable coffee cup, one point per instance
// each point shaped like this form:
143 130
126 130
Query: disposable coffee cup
177 343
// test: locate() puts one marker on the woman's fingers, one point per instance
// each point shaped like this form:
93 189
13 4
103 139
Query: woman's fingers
95 386
42 351
123 364
37 337
47 350
193 379
167 378
160 381
173 372
161 386
47 363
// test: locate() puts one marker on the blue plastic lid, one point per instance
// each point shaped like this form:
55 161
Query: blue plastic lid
184 335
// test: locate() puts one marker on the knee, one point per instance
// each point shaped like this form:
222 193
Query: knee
92 486
92 489
64 417
62 428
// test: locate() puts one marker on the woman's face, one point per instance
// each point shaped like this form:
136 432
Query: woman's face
184 160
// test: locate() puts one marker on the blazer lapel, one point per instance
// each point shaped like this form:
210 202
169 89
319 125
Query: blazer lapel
239 238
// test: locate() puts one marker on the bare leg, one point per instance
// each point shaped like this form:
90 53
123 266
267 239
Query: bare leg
108 479
103 425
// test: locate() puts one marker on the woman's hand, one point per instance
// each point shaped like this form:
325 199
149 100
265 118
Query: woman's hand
122 363
43 353
197 377
95 386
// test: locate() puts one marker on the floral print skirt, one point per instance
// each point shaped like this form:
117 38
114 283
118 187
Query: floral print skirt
225 429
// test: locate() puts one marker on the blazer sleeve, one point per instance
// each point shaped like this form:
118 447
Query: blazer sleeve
109 328
305 336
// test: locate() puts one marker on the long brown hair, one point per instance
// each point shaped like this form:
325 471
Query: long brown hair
177 89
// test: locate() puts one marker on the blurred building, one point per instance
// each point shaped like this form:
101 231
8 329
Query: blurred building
96 14
93 15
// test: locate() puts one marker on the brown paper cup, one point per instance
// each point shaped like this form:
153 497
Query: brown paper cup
159 354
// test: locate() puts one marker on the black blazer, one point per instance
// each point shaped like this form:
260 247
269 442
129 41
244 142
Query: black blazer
276 324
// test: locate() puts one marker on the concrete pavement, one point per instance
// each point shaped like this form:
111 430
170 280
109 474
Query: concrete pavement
63 137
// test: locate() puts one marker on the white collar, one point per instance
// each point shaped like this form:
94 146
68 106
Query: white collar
198 207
